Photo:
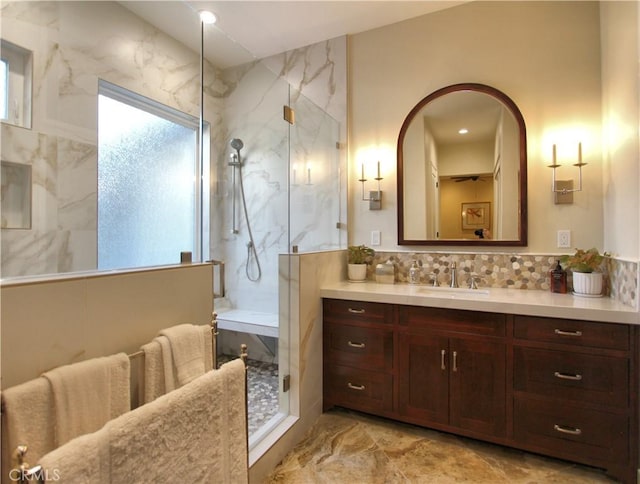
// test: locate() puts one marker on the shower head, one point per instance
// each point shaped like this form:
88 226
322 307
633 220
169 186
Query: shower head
237 144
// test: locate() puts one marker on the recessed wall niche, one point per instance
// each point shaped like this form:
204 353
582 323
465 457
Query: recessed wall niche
15 196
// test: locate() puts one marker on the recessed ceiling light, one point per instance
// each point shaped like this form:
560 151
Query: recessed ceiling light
463 131
207 17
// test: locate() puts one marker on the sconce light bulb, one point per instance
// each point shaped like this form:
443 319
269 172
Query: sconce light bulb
207 17
463 131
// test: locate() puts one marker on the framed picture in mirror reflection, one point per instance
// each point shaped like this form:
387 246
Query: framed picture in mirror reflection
476 215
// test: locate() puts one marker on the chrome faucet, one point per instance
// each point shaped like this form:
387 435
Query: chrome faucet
473 283
454 276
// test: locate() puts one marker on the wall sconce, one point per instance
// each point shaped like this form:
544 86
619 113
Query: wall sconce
375 196
295 175
308 175
563 189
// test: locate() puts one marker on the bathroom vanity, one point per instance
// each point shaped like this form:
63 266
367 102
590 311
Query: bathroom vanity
547 373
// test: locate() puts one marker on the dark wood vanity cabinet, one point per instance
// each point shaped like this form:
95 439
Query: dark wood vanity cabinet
358 356
452 369
558 387
575 391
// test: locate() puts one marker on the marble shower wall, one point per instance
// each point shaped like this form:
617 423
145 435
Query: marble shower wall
294 176
74 45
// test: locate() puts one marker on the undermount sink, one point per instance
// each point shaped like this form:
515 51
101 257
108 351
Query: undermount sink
451 291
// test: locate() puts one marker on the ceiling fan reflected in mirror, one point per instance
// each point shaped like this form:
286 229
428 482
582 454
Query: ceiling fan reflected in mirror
474 178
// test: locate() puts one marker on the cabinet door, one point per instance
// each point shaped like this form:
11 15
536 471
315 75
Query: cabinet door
424 378
477 385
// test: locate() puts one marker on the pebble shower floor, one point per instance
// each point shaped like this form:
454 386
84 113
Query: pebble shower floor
263 391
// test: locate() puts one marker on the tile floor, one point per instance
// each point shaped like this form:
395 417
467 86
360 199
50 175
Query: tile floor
352 448
262 380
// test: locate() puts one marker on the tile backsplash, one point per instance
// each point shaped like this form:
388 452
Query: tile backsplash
502 270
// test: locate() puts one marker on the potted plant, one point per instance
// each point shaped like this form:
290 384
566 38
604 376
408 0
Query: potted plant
585 266
358 256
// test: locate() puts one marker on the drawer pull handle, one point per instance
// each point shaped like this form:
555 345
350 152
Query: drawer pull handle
356 345
455 361
568 333
567 376
356 311
443 354
567 430
355 387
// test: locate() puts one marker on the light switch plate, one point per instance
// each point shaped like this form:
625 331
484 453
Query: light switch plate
375 237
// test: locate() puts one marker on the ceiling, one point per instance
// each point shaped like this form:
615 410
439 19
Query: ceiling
248 30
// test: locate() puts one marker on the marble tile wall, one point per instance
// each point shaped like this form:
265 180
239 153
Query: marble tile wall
74 45
293 175
504 270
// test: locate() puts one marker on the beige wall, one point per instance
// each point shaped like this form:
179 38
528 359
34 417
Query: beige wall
53 323
544 55
621 117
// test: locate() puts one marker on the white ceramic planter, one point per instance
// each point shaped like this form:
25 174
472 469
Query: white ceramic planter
587 283
357 272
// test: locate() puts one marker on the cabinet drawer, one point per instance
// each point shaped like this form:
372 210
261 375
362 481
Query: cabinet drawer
365 312
571 432
419 319
579 333
367 348
359 389
574 376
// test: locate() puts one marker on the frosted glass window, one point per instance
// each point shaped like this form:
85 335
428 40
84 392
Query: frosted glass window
4 86
15 71
147 185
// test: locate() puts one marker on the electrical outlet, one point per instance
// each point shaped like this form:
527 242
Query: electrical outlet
564 238
375 237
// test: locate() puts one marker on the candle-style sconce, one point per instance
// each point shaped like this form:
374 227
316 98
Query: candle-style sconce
307 175
563 189
375 196
308 182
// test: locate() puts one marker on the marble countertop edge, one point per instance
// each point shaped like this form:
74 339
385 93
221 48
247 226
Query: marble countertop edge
509 301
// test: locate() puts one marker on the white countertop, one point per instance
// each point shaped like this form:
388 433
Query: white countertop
509 301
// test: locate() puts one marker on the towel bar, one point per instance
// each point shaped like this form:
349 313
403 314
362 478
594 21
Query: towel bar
24 474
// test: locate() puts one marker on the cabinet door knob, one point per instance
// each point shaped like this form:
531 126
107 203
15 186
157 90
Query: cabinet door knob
567 333
355 387
356 345
356 311
443 355
567 430
568 376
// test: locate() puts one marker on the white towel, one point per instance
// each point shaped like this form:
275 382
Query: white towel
187 351
88 394
159 373
82 460
168 368
236 433
196 433
153 371
28 419
208 347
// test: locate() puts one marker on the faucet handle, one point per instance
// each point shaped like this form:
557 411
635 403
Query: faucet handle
473 282
434 279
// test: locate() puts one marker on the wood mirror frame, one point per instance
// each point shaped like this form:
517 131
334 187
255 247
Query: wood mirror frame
521 239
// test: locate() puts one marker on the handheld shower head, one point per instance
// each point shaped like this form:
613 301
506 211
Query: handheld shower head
236 144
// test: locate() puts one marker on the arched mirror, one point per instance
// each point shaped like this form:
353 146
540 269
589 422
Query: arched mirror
462 170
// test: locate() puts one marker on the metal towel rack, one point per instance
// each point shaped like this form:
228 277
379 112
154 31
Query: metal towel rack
23 473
